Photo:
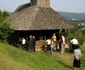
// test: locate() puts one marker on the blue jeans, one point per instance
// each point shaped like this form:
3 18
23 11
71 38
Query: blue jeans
51 50
62 48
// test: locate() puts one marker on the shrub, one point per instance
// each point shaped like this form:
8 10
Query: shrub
5 31
3 16
78 33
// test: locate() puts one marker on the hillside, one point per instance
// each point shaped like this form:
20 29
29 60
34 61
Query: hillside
12 58
73 16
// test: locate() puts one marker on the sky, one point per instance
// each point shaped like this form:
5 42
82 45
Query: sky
74 6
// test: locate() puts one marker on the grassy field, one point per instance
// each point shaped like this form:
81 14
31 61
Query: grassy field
12 58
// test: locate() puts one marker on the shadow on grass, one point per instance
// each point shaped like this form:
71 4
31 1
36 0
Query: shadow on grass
64 64
67 50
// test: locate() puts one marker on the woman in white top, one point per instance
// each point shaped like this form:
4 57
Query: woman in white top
77 54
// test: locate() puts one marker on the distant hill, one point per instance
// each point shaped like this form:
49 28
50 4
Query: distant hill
9 12
73 16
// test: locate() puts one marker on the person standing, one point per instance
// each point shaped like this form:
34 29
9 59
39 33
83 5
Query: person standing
77 54
26 48
48 44
74 43
54 38
52 47
23 43
34 43
19 42
62 44
30 46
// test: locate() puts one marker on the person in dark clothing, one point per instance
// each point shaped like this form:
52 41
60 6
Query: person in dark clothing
19 42
26 48
30 46
34 43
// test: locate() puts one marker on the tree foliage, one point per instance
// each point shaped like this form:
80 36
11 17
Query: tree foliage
5 15
78 33
5 29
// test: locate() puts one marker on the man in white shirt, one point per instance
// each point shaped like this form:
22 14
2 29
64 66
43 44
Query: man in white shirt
23 43
74 43
48 43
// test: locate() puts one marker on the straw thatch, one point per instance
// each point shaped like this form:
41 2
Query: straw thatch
28 17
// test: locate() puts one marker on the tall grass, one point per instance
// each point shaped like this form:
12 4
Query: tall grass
12 58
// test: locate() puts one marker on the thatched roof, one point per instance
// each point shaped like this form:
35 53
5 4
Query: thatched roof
27 17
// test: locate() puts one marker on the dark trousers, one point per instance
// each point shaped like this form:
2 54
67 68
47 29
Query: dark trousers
34 48
48 47
30 48
74 47
23 46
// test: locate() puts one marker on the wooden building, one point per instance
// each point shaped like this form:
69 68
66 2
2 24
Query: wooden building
37 18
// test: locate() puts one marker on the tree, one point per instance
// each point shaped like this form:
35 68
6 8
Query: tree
5 29
3 16
78 33
0 16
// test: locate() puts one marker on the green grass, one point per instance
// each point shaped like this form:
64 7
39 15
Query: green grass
12 58
83 58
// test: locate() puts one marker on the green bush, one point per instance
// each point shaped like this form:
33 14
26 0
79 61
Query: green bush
3 16
5 31
80 36
78 33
